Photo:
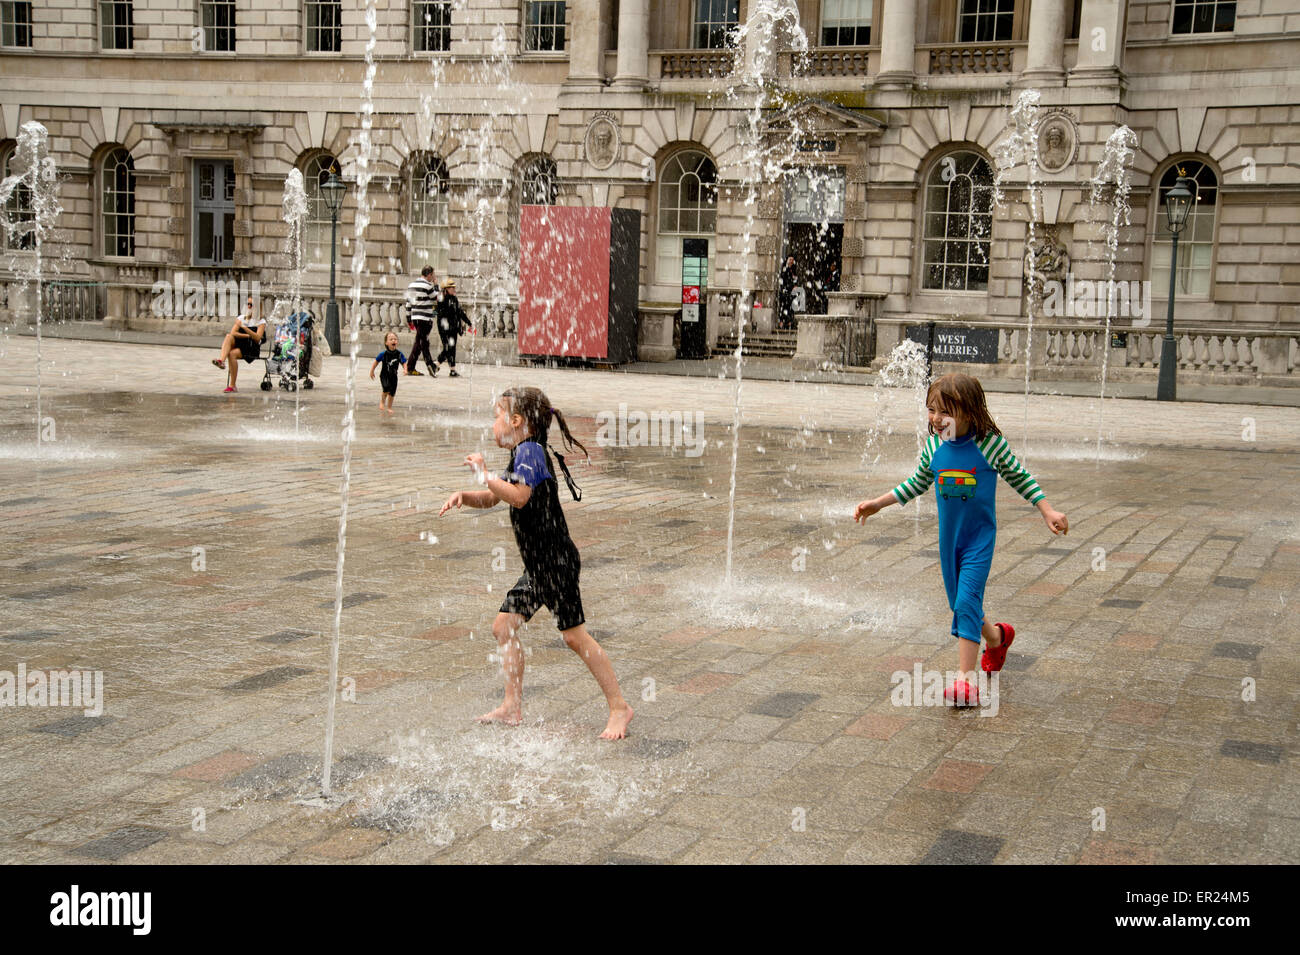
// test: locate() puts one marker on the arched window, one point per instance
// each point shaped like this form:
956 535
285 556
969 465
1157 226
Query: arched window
958 223
688 208
316 233
117 205
1196 241
427 240
19 214
538 185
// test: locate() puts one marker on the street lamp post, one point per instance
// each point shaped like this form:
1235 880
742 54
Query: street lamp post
1178 203
333 190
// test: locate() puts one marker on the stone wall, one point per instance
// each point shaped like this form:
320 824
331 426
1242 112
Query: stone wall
269 108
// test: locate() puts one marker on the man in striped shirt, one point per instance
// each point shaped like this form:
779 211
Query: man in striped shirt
421 298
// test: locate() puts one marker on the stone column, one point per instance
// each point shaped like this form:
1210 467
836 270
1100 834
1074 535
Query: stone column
1101 44
586 42
1043 66
898 45
633 43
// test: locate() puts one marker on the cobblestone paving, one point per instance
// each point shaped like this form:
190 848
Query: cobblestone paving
765 731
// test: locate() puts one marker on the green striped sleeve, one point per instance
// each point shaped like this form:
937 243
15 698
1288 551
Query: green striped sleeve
923 477
998 455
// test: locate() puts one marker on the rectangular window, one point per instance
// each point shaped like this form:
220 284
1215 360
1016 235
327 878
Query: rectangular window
324 26
432 26
986 21
544 26
116 24
846 22
218 25
715 23
16 24
1204 16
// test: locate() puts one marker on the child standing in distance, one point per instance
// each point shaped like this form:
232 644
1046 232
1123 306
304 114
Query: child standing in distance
391 359
963 457
551 561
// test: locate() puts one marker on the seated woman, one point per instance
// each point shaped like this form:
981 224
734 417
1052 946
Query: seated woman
244 341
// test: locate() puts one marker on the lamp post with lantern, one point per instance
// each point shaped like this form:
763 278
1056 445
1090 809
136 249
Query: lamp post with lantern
333 190
1178 203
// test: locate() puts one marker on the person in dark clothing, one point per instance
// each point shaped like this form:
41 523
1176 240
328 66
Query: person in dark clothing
452 321
789 279
833 278
421 299
551 561
388 361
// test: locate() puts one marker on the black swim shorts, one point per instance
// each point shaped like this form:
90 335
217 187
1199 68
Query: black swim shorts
563 600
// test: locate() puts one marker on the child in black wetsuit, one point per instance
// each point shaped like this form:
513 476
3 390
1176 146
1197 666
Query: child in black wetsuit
551 562
391 359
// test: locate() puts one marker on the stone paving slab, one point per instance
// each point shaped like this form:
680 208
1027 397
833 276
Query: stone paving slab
182 543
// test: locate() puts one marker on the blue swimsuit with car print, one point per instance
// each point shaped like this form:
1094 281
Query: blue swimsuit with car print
964 473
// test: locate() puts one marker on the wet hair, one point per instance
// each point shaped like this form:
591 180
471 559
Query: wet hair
386 335
535 408
958 392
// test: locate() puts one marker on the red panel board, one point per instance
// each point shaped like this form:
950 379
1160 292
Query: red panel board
564 281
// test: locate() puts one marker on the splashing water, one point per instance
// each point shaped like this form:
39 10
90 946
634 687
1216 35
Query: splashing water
905 368
495 276
1020 146
293 210
1112 176
771 23
533 777
364 151
36 181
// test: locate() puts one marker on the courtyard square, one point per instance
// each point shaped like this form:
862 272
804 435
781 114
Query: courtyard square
183 544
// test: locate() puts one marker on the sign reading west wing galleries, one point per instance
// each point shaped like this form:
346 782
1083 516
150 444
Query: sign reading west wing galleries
958 343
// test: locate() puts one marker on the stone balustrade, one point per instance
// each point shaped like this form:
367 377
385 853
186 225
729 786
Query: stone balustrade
967 58
851 335
832 61
695 64
1070 352
138 306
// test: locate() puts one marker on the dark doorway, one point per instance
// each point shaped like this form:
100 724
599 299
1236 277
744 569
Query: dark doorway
816 247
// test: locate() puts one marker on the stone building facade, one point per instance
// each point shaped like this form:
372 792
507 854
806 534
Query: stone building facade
870 155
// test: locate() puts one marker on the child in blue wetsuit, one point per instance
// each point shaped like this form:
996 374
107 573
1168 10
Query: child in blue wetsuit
550 558
962 458
388 361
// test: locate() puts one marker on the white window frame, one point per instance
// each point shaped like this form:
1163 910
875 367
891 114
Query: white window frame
668 242
1197 243
937 229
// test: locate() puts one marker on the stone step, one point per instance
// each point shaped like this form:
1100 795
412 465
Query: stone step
772 345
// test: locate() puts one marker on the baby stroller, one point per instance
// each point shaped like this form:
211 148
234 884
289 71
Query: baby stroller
291 353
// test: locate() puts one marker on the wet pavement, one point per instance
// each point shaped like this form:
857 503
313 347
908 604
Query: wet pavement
182 544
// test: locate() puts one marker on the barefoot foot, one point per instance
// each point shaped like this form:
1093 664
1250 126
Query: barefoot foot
616 728
509 715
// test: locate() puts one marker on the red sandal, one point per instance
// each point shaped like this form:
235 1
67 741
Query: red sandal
995 657
961 694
